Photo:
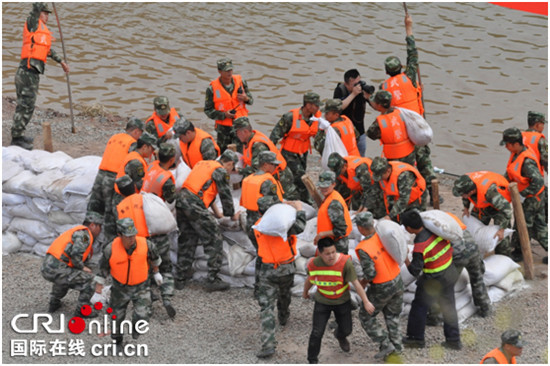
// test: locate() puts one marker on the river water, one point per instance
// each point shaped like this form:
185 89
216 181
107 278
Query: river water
483 66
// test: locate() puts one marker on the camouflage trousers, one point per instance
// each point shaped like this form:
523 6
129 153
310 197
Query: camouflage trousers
298 164
424 164
485 216
121 295
111 217
64 278
476 269
387 298
251 218
26 88
197 226
374 201
274 288
162 242
101 199
225 135
535 220
286 178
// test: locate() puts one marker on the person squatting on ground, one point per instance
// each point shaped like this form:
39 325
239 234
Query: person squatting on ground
162 120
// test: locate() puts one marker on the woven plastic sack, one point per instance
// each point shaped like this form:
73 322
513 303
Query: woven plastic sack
180 174
497 267
157 215
442 224
419 131
333 143
393 238
277 220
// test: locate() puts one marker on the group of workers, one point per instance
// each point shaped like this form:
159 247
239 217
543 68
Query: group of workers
393 187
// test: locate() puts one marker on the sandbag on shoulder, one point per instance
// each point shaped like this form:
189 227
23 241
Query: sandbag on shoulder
333 143
277 220
393 238
418 129
157 215
441 224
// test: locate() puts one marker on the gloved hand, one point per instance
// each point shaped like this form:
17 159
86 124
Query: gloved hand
323 123
158 278
97 297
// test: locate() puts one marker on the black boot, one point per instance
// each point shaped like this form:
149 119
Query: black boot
20 141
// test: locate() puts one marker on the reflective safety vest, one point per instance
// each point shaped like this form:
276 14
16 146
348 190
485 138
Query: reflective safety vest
224 102
132 207
36 44
390 187
531 140
437 253
483 180
297 140
499 356
513 169
116 150
251 190
191 151
134 155
161 126
394 136
129 269
347 135
57 248
404 93
274 249
155 177
329 280
352 181
323 220
386 267
200 181
260 137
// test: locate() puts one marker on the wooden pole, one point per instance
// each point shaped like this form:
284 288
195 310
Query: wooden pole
47 133
435 193
521 227
317 197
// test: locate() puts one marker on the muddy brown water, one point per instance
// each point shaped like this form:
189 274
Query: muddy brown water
483 66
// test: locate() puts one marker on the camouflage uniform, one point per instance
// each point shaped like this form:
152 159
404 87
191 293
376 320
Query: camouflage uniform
274 288
319 140
532 119
162 108
162 244
207 149
225 135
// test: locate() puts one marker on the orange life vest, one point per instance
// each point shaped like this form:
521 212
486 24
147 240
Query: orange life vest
404 93
329 280
260 137
224 102
394 136
200 181
531 140
134 155
323 220
499 356
347 135
36 44
129 269
390 187
57 248
386 267
459 221
274 249
514 170
116 150
251 190
351 181
155 177
297 140
132 207
437 253
191 152
483 180
161 126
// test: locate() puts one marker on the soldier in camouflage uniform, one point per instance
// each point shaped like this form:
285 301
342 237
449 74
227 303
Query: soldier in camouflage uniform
185 131
276 278
297 163
381 169
334 109
65 263
197 225
121 291
531 189
245 133
167 158
536 122
27 77
386 296
225 135
165 117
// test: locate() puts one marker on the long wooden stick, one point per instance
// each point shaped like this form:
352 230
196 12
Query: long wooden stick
523 233
73 130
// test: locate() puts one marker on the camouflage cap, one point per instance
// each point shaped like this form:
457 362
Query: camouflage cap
268 157
311 97
392 64
241 122
364 219
93 217
335 162
148 139
126 227
378 167
225 64
535 117
463 185
333 105
41 7
382 97
511 135
326 178
162 105
123 182
134 122
230 155
181 126
167 150
512 337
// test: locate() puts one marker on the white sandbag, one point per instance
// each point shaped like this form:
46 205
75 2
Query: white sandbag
40 249
442 224
6 221
496 293
333 143
10 169
15 153
10 243
250 269
466 311
310 231
463 297
406 310
411 287
277 220
306 249
406 276
497 267
24 211
235 178
28 160
241 239
54 191
356 263
301 265
36 229
472 223
239 281
75 203
34 187
408 297
27 240
237 260
418 129
85 165
180 174
77 216
512 281
59 217
462 281
485 239
60 229
227 224
55 161
14 184
81 185
157 215
393 238
309 210
41 205
10 199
